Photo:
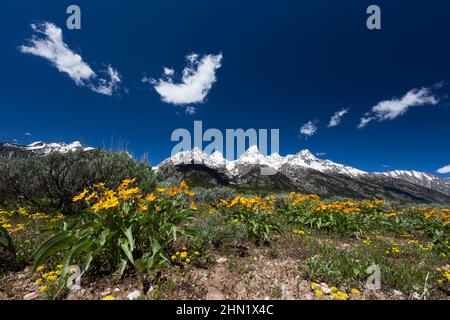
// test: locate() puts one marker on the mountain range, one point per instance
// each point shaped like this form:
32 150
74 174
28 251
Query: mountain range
305 173
302 172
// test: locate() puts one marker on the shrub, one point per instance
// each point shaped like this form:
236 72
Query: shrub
49 182
255 213
123 226
342 217
212 232
214 195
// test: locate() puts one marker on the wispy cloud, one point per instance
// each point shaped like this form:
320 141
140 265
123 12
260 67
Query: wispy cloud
197 80
190 110
309 129
444 170
169 72
337 118
48 43
391 109
321 154
28 134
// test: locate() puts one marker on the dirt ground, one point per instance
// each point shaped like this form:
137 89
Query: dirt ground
254 273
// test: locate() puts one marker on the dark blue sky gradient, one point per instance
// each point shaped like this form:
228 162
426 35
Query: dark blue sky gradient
284 63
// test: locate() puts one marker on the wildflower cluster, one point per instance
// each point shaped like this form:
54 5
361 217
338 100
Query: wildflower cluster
439 215
322 291
345 217
256 213
129 227
17 220
51 281
299 232
444 277
184 257
394 249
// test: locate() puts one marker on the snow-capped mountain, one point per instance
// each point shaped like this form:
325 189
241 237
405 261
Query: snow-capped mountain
303 172
424 179
46 148
304 159
12 150
307 160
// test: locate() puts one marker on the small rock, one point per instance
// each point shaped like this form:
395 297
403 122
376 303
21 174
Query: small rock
150 290
105 293
31 296
397 293
134 295
326 290
222 260
416 296
240 288
116 290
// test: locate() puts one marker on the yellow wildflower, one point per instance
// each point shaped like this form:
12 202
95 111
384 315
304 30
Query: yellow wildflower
356 291
43 289
319 293
80 196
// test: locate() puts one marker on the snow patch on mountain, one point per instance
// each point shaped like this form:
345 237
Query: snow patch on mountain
306 159
253 156
46 148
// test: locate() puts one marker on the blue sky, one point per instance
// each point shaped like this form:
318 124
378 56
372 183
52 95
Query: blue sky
283 64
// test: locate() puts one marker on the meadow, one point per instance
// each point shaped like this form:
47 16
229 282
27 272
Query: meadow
178 242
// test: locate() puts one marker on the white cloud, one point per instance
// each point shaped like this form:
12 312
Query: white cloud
190 110
337 118
391 109
198 78
169 72
444 170
321 154
48 43
309 129
108 87
27 134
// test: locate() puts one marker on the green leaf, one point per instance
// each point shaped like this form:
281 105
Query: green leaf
104 236
80 247
125 245
87 261
122 265
5 240
59 242
129 234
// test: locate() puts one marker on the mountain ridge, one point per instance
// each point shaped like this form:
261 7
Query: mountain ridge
305 169
302 171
